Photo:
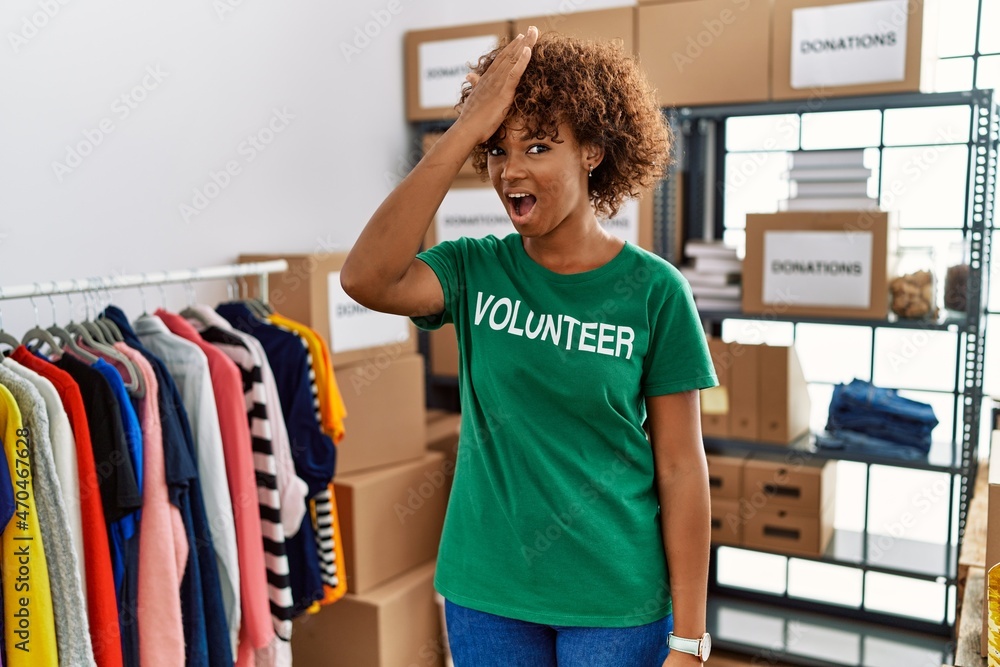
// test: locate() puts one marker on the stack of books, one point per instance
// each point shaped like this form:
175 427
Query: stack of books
715 275
828 181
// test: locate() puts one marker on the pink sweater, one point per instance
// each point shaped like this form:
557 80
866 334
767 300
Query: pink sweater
227 381
161 632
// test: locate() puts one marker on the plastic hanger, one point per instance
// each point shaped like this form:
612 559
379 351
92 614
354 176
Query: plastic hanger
189 312
132 383
68 340
261 299
250 303
109 324
6 338
99 325
37 333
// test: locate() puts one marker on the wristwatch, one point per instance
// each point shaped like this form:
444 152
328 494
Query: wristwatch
701 647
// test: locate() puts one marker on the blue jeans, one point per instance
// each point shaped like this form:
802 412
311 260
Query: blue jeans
479 639
881 413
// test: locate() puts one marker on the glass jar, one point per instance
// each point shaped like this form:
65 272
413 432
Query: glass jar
913 292
956 279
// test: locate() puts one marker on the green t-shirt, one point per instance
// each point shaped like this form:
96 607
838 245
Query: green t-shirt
554 516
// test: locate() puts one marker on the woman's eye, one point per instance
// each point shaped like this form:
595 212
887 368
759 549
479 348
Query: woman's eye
537 148
495 151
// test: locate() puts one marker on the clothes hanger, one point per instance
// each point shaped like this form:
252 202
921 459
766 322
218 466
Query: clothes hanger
68 340
132 383
108 323
98 328
261 299
248 302
6 338
96 332
37 333
190 312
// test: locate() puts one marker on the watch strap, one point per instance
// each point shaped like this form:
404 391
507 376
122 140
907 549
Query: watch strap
692 646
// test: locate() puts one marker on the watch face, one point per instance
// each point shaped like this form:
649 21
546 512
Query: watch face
706 646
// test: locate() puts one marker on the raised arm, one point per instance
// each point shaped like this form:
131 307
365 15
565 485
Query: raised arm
381 271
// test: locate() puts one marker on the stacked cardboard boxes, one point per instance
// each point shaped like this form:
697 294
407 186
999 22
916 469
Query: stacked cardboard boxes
762 394
772 504
725 477
391 492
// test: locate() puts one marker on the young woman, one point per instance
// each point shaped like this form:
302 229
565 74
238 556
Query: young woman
565 519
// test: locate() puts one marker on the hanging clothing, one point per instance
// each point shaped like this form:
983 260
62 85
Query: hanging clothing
330 413
69 612
201 595
102 606
63 451
189 368
124 532
163 544
279 493
227 384
331 403
312 450
29 622
116 477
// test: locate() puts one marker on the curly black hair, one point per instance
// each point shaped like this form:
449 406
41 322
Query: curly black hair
601 94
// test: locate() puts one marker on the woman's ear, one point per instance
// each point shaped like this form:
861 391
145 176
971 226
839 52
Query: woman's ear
592 155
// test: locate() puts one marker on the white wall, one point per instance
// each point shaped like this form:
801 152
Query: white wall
224 67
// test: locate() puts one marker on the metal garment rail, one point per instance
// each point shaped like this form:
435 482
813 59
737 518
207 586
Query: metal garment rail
261 269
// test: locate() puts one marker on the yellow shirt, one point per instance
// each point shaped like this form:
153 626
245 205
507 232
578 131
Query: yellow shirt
332 412
331 404
28 623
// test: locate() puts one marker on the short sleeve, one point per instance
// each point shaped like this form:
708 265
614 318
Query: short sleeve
445 260
678 358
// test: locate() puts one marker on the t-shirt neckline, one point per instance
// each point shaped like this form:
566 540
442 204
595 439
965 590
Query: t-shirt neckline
531 265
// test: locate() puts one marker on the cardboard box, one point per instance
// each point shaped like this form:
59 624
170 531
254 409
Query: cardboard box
394 625
744 406
715 402
784 395
992 520
880 47
442 436
727 526
725 477
706 51
822 264
599 25
437 61
371 389
310 292
467 170
784 531
805 487
391 518
443 348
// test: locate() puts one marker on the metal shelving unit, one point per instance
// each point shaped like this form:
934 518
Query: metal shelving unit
700 144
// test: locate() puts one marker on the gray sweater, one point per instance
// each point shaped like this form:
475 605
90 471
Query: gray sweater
72 627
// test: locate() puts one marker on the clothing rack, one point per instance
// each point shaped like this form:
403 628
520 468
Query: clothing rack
261 269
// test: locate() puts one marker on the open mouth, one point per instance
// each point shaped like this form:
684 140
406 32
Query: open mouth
521 204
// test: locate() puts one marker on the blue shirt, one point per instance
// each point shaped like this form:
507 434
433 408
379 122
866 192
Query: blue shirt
205 633
312 450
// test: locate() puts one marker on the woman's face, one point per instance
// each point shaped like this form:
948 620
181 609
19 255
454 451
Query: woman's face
542 182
